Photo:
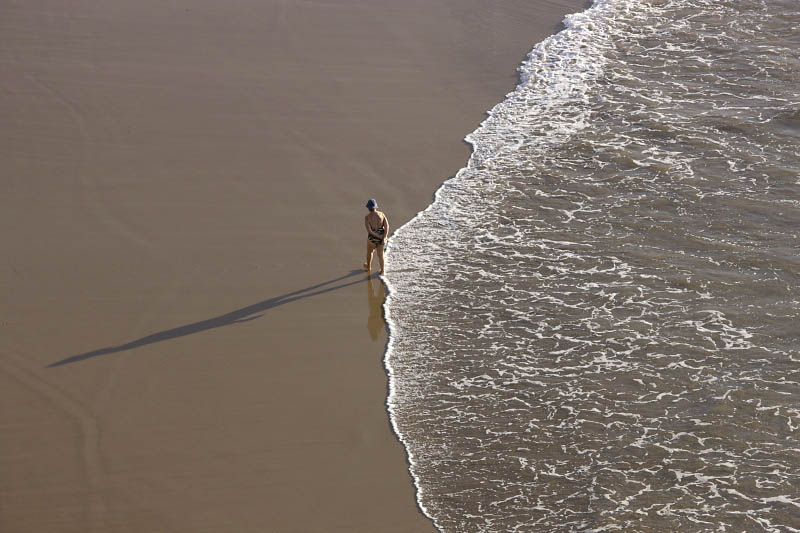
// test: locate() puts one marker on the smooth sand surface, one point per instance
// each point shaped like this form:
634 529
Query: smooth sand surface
182 206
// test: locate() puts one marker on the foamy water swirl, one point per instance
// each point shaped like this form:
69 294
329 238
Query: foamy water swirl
594 326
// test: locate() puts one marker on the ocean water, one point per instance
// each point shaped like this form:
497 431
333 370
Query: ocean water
596 324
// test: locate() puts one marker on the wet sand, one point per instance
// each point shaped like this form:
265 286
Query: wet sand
185 341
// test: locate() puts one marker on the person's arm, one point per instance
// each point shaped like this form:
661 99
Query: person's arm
369 228
385 229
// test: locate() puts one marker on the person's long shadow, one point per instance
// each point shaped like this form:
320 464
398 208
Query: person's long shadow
239 315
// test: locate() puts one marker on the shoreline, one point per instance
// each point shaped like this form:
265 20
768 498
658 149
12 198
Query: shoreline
184 318
523 76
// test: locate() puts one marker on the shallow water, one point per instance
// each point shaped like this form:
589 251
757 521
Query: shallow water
594 326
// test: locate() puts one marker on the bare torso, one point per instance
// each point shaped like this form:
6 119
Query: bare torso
376 221
375 218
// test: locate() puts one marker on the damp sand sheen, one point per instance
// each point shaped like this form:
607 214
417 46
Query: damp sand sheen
154 158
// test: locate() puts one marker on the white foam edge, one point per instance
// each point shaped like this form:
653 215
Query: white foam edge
571 22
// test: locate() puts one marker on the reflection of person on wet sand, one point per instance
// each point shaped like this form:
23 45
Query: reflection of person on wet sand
377 232
375 298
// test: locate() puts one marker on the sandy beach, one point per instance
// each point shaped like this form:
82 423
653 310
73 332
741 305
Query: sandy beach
186 343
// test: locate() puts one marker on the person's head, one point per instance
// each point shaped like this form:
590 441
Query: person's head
372 205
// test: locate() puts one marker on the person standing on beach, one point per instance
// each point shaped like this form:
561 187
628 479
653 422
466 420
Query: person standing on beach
377 233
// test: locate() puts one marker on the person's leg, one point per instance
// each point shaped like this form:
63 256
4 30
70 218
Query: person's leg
380 256
370 249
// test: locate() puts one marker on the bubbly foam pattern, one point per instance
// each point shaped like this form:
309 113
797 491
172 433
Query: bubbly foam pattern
594 327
